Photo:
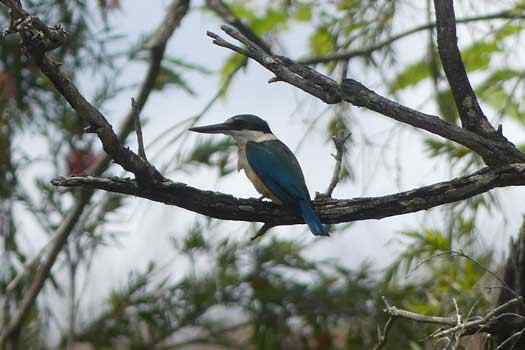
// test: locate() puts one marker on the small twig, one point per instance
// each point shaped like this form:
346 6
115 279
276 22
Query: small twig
367 51
479 323
454 339
138 129
265 228
223 11
29 267
396 312
382 337
217 40
461 254
457 327
339 142
511 338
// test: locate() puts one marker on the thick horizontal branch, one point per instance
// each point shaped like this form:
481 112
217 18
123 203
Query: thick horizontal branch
331 211
494 152
346 55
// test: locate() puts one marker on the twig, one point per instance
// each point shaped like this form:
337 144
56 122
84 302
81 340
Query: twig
396 312
382 337
346 55
456 326
461 254
478 323
138 129
29 267
265 228
454 339
339 142
513 337
223 11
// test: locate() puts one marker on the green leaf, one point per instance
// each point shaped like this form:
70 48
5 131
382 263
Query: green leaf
243 12
346 5
451 150
410 76
168 77
274 20
447 106
187 65
322 42
303 13
478 55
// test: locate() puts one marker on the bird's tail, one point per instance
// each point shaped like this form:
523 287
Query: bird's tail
307 211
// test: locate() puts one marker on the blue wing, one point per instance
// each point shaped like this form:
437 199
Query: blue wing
278 169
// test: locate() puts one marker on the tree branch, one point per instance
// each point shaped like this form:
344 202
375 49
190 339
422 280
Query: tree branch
138 130
382 336
224 12
331 211
157 46
346 55
494 152
454 323
471 115
339 143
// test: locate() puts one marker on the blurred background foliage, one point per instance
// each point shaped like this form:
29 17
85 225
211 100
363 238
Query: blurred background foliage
265 294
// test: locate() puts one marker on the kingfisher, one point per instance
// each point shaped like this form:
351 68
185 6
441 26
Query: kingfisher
269 164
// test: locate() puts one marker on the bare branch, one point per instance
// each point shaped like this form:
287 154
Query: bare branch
346 55
457 327
471 115
395 312
262 231
515 337
339 142
138 130
223 11
383 335
332 211
479 324
494 152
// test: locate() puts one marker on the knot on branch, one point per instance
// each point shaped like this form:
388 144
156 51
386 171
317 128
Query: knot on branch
355 92
37 36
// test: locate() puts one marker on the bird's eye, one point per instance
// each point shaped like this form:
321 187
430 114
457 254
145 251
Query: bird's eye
237 124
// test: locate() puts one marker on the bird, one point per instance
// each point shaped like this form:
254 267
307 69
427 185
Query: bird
269 164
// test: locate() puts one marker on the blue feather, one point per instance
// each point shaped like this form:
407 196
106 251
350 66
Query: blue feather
310 217
279 170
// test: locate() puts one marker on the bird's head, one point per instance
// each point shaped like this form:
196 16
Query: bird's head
243 128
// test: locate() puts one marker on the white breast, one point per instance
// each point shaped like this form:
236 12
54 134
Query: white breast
243 163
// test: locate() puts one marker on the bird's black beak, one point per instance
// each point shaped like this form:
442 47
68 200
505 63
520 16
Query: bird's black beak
212 129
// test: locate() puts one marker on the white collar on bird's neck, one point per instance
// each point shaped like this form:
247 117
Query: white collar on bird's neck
241 137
